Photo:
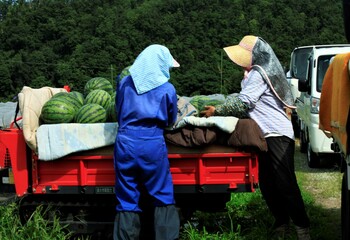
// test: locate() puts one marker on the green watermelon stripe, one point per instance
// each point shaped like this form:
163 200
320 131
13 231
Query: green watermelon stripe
85 109
100 97
64 99
59 106
98 83
98 116
72 100
91 113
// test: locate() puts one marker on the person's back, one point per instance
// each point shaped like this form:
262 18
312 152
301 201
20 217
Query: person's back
264 106
155 108
146 103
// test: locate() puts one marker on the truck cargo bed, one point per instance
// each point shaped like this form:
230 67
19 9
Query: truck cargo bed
202 169
81 185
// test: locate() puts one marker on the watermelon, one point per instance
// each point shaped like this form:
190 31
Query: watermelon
91 113
100 97
58 110
111 113
125 72
60 94
98 83
70 98
79 96
200 101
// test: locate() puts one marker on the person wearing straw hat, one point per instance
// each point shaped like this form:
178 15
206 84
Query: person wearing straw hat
264 96
146 103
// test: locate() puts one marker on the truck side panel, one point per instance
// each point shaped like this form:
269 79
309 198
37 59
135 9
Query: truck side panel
229 169
201 168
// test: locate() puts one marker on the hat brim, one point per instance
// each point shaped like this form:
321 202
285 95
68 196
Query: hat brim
239 55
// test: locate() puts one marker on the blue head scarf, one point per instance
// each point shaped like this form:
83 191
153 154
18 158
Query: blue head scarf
151 68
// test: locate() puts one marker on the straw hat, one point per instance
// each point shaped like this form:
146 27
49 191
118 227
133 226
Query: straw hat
242 53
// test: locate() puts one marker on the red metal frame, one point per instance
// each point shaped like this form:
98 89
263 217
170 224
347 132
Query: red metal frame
231 168
12 140
187 169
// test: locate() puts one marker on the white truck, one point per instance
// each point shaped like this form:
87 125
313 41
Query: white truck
309 65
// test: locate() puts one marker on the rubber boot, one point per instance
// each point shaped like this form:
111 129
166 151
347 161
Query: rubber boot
303 233
166 223
281 232
126 226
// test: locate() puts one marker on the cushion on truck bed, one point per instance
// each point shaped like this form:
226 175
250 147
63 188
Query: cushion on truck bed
58 140
246 134
31 102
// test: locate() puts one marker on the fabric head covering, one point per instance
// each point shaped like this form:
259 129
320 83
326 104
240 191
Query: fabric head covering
151 68
264 60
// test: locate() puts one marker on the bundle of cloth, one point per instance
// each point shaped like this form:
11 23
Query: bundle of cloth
53 141
192 130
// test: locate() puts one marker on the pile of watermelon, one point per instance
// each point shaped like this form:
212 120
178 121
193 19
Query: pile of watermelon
95 105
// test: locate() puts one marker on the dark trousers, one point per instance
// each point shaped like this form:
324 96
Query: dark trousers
278 182
166 225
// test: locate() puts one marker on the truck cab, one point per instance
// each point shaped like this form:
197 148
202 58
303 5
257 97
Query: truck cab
309 65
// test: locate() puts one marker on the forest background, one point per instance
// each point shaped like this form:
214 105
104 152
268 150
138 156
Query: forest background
67 42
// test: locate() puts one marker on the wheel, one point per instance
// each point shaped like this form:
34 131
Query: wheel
312 159
303 142
345 209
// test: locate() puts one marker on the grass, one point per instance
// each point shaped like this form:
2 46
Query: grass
246 218
36 228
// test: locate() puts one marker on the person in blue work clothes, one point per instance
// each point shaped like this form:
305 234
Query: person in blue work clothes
146 103
264 96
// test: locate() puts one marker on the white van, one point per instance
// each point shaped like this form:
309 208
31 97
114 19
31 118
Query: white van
309 65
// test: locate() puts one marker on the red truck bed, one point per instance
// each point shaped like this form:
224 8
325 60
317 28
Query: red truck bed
188 168
204 179
204 167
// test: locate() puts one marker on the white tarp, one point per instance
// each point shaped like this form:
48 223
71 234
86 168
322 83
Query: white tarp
7 114
58 140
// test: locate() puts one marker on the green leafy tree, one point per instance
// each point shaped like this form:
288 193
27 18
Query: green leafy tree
56 43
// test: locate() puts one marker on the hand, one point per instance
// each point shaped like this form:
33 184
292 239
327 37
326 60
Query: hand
209 111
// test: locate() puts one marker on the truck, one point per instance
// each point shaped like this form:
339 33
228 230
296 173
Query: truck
334 118
309 65
81 184
334 121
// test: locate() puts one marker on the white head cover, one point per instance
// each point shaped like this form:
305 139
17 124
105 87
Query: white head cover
151 68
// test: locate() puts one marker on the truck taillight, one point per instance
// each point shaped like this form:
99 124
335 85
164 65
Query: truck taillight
315 105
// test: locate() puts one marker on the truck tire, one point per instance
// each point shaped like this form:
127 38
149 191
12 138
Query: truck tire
303 142
313 160
345 208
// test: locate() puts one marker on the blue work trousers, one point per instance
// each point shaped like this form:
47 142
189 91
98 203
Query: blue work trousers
141 159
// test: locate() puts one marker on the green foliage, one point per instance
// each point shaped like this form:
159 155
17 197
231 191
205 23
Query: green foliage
35 228
247 218
55 43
